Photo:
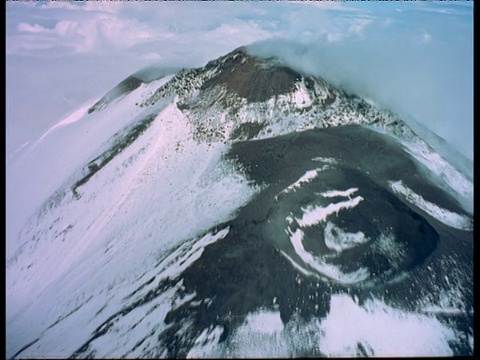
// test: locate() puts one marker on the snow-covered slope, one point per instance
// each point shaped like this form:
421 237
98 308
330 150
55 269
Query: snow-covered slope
108 209
129 210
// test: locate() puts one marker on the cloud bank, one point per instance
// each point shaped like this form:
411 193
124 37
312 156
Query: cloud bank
413 58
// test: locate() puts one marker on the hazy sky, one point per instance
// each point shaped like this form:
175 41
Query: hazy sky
415 58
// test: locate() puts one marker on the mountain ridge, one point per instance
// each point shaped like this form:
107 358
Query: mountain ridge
185 215
239 96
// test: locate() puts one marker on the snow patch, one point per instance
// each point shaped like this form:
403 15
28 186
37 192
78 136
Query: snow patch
261 335
323 268
307 177
381 330
301 97
339 240
206 344
386 244
264 321
335 193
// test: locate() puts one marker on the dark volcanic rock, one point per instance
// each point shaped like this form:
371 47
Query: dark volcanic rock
249 269
126 86
251 78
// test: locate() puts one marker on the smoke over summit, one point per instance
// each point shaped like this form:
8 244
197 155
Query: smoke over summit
414 87
415 58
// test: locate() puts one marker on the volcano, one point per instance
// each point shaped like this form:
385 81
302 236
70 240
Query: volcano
240 209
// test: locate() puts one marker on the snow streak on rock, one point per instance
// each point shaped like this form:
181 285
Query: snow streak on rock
308 176
448 175
317 214
445 216
322 267
335 193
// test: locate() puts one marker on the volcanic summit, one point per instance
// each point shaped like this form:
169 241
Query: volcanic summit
240 209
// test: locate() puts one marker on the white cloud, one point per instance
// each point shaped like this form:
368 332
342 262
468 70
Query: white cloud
152 56
445 11
431 83
65 5
375 48
358 26
387 22
425 36
24 27
238 32
85 35
329 5
104 6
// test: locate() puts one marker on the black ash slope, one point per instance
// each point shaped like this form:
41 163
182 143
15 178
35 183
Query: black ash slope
246 270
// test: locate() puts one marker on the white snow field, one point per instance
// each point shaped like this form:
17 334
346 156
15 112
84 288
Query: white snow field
348 330
71 265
